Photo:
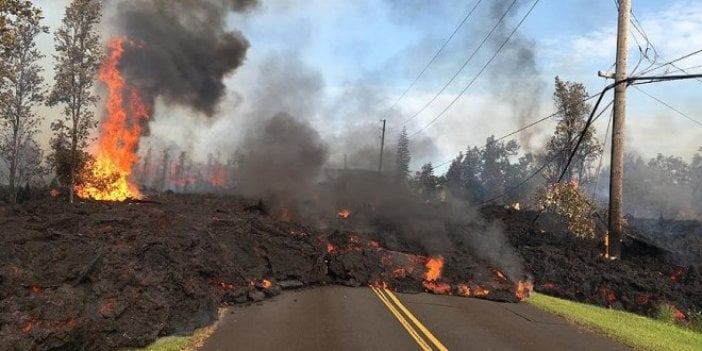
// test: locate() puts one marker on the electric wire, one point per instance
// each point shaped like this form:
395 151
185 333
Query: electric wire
463 66
497 52
431 61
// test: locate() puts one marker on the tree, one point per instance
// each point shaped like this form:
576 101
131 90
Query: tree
21 88
572 114
427 182
472 167
496 163
77 44
403 156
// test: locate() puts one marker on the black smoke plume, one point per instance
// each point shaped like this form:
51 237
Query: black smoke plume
182 49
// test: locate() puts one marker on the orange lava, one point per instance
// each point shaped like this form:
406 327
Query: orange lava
478 291
344 213
434 266
679 271
437 288
107 178
463 290
36 289
330 247
266 284
500 275
524 289
29 326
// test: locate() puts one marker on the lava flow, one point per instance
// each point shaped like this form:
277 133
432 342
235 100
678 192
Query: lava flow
116 151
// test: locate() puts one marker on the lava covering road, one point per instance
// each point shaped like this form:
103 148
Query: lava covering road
104 276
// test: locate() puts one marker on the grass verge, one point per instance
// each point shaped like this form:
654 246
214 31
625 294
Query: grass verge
183 343
630 329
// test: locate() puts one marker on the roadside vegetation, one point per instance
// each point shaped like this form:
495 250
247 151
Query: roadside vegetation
630 329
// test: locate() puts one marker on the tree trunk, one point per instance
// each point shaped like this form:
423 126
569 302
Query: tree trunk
13 178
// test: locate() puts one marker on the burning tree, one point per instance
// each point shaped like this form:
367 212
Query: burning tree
79 53
21 88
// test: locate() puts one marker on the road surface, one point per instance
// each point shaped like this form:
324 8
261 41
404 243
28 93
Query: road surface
340 318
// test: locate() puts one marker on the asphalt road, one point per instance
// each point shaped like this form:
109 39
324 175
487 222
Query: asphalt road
339 318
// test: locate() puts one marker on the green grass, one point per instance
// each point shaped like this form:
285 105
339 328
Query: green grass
168 343
630 329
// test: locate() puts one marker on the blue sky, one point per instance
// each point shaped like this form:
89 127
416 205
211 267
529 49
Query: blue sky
341 64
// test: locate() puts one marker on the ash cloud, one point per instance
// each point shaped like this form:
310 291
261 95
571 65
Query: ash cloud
183 48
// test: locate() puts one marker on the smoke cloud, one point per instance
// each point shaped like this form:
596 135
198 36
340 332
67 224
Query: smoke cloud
182 49
282 160
515 76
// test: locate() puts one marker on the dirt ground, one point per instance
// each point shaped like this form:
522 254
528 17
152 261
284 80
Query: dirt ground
103 276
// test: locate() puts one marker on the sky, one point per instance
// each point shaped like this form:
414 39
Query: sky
342 65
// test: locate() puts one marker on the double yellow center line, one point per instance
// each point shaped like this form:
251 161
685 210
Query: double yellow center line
424 338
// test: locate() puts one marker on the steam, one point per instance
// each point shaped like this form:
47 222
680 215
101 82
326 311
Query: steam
182 49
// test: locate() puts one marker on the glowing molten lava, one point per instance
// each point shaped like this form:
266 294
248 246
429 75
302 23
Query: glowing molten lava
434 266
115 155
524 289
344 213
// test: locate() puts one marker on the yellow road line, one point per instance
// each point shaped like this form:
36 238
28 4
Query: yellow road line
416 322
413 333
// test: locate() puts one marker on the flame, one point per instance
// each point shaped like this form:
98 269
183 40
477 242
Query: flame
344 213
54 193
218 176
500 275
107 178
266 284
330 247
524 289
434 267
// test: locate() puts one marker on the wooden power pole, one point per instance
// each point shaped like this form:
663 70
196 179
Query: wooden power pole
382 146
614 235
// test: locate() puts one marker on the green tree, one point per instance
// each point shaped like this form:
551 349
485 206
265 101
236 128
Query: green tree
78 55
402 161
21 88
496 163
572 115
427 182
471 169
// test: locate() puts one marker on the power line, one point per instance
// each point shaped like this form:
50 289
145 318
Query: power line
521 129
582 134
672 64
465 63
549 161
669 106
499 49
438 52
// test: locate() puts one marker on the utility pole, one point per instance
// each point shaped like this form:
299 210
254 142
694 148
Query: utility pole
614 235
382 146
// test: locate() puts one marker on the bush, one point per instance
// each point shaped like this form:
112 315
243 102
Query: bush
566 200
